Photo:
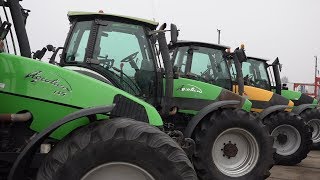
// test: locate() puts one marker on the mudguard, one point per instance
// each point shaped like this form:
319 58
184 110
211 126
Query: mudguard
18 169
272 109
203 112
299 109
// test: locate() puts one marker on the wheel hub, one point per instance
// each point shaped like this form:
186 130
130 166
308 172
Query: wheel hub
238 157
315 129
230 150
282 139
118 170
287 139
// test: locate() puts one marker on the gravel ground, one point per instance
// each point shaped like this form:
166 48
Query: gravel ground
308 169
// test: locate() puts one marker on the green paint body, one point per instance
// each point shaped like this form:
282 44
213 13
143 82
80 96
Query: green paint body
298 98
292 95
188 88
50 92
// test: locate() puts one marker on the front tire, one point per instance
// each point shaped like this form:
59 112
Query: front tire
232 144
312 118
292 137
115 149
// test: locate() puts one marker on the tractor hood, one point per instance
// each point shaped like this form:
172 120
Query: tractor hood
50 92
298 98
262 99
190 96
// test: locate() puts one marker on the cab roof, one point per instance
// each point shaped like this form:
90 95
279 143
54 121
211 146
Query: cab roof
259 59
197 43
80 14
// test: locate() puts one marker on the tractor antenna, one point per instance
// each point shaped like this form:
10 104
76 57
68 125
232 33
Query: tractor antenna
219 33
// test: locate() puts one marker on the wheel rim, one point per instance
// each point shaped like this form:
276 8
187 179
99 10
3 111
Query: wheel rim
117 170
287 139
315 124
235 152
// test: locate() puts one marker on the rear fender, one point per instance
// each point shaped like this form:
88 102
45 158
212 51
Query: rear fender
20 166
299 109
272 109
203 112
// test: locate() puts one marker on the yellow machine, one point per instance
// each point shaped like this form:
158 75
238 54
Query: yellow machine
262 99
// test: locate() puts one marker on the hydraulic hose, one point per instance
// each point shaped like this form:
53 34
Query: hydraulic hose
15 117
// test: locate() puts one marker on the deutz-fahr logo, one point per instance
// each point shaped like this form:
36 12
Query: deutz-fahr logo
38 77
190 88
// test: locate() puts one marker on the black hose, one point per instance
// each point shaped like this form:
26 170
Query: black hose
163 48
21 32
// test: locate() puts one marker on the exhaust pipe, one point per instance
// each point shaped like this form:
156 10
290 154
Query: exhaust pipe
9 118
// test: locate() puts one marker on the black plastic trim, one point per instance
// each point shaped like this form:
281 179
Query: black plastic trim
202 113
299 109
272 109
19 167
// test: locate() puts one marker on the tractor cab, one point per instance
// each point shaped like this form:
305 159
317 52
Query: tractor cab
114 49
122 51
213 64
267 76
210 65
255 73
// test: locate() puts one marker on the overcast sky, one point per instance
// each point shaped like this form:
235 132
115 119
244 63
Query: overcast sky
289 29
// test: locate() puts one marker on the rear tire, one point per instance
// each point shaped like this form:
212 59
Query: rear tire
312 118
292 137
114 149
243 131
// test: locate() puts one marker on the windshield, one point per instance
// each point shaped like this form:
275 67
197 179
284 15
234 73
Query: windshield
78 42
206 64
122 50
255 74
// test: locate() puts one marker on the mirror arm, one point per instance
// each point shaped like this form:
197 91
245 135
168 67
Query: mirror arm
53 57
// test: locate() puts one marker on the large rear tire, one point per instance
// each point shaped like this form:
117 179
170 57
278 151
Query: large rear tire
232 144
292 137
117 149
312 118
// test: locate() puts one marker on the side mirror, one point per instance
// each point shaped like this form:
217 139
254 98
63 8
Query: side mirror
4 29
51 48
40 53
174 33
53 57
163 26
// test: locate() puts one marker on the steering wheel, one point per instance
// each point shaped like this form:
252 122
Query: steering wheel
248 80
130 57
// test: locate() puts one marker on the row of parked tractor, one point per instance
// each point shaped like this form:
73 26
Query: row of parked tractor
119 102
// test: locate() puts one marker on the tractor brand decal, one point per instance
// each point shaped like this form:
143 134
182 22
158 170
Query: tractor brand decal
2 85
37 76
190 88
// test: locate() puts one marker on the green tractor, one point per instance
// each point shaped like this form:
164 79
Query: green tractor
108 110
269 76
212 64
